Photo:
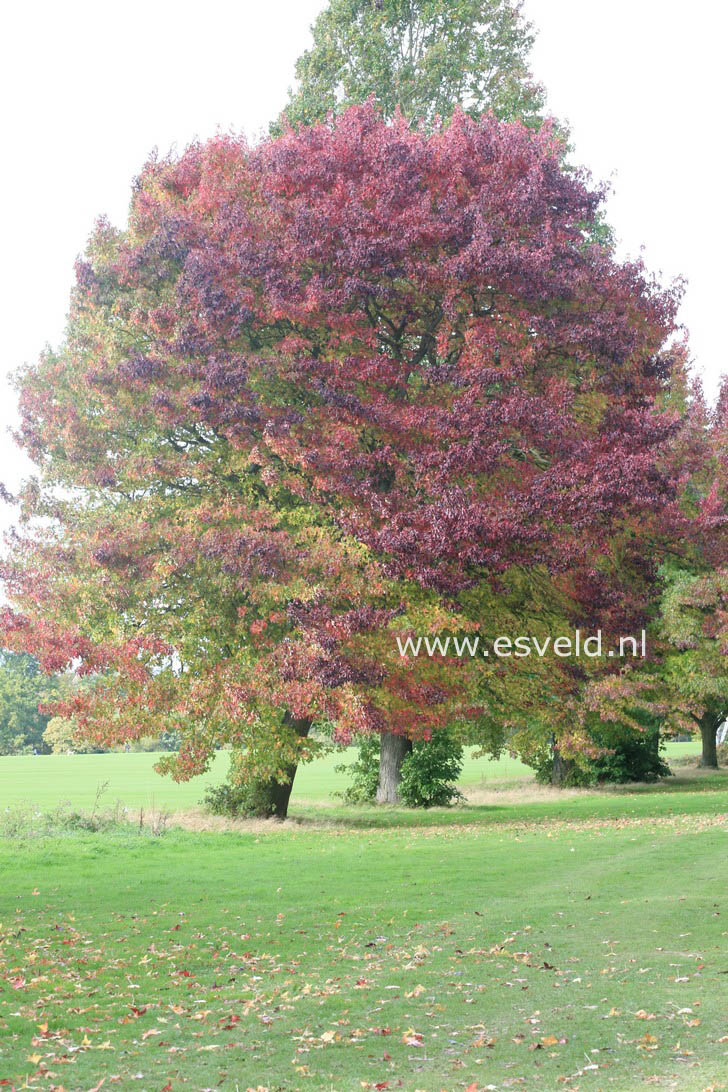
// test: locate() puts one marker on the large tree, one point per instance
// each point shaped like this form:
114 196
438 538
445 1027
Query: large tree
425 57
317 390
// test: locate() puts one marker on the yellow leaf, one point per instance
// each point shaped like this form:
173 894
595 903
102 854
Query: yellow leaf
416 992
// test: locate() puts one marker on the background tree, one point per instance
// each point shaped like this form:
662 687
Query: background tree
683 684
23 688
695 622
59 735
426 57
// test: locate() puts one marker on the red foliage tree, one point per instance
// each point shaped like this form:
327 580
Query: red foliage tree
684 683
336 380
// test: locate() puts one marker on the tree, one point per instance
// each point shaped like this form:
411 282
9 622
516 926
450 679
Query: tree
684 683
318 390
59 735
694 603
23 688
430 770
695 621
684 686
426 57
562 718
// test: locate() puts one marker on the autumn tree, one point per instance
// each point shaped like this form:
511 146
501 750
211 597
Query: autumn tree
426 57
694 608
682 684
695 621
318 390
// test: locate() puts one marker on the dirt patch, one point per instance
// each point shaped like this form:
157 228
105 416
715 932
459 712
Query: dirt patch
201 821
519 792
684 771
198 821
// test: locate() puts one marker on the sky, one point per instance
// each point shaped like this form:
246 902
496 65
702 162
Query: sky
90 89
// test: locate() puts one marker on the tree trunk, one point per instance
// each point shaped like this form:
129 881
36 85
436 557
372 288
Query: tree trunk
560 767
270 798
393 750
708 730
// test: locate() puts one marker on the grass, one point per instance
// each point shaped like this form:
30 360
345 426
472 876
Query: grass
48 780
572 942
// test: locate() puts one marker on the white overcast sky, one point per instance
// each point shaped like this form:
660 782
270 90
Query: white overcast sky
89 89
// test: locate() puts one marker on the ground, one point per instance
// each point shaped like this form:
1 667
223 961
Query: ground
529 940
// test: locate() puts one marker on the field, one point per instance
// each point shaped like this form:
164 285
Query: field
529 940
130 778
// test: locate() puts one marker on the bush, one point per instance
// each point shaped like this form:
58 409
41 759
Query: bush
428 772
239 800
631 758
364 772
635 759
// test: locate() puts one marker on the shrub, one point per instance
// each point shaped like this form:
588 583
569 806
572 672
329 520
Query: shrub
364 772
239 800
637 758
428 772
630 758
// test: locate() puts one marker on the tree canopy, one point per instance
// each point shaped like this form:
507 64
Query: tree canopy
319 389
426 57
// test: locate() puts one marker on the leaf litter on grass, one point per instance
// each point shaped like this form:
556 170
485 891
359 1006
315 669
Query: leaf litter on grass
174 999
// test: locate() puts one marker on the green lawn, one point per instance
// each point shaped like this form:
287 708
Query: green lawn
301 958
573 942
50 779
